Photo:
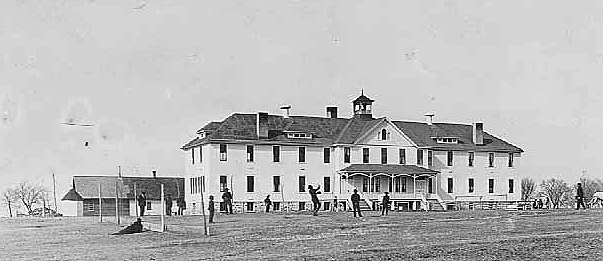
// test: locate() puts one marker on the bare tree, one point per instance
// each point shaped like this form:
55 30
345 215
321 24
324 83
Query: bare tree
29 194
527 188
557 190
9 198
590 186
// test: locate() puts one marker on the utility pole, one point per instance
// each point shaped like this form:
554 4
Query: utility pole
54 191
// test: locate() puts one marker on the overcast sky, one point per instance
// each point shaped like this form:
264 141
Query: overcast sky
148 74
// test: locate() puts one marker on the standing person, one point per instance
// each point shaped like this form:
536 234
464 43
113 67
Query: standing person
580 197
315 202
181 203
335 205
385 204
268 203
211 209
356 203
227 197
168 205
142 203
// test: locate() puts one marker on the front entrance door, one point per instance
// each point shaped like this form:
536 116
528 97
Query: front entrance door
421 186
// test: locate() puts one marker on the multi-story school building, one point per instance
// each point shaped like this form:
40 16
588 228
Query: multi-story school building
423 165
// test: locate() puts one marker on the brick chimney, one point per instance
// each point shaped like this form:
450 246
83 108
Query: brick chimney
154 174
331 112
262 125
478 133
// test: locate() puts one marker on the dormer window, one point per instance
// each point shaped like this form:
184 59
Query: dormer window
447 140
299 135
202 135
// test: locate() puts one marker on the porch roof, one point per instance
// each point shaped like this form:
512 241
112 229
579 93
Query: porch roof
388 169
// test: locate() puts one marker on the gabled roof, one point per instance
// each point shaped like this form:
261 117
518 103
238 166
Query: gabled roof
72 195
241 128
87 186
388 169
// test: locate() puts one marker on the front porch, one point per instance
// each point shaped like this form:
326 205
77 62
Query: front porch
410 187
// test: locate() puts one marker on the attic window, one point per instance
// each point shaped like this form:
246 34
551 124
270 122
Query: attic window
201 135
299 135
448 140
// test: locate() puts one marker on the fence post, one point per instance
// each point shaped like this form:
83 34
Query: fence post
162 209
135 200
100 204
116 203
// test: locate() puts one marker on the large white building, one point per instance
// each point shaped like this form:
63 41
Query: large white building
424 165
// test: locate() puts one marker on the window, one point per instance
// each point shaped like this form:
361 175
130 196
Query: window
302 205
302 183
300 135
491 186
223 183
365 182
193 155
276 153
327 155
450 157
346 155
327 184
249 206
365 155
149 205
403 185
90 206
302 154
491 159
511 186
402 153
383 155
276 205
450 185
276 183
249 153
419 157
327 205
376 185
471 158
223 156
429 158
383 134
200 154
250 185
510 160
471 185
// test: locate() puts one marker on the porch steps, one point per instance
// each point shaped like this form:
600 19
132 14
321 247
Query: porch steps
434 205
364 206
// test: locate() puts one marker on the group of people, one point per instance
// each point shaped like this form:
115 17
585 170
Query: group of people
180 203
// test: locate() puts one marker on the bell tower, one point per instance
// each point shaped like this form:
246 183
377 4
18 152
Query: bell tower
363 106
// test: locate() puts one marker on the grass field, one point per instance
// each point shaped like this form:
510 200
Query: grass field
455 235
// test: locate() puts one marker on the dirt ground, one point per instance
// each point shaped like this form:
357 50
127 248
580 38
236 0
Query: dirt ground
454 235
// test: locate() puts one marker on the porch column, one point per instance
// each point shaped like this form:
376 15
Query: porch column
414 185
370 188
391 183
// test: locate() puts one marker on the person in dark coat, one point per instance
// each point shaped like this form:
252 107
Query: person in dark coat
181 205
385 204
315 202
268 203
227 197
136 227
356 203
168 205
580 197
142 203
211 209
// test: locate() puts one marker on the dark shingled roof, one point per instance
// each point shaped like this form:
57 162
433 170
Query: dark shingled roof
210 126
422 135
241 127
388 169
72 195
87 186
363 99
